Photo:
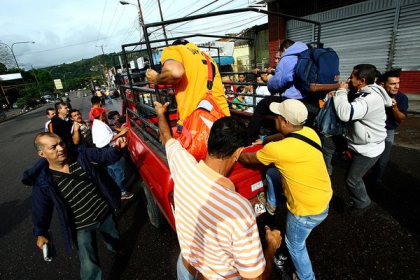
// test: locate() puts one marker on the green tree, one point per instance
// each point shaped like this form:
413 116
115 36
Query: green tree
3 68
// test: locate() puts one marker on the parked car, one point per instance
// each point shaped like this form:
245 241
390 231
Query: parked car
47 98
26 108
3 115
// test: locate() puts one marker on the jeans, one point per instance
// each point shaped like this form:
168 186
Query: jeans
298 229
312 106
274 186
181 272
88 250
117 173
380 166
354 181
328 150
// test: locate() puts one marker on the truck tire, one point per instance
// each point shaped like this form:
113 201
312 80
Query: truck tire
153 211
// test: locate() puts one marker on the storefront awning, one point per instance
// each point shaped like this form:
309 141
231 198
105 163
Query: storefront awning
224 60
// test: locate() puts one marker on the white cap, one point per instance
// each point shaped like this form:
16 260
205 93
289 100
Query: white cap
294 111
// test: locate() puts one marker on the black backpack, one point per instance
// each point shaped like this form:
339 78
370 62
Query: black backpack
317 70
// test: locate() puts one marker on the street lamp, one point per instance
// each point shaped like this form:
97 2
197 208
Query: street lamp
141 20
11 49
15 43
141 16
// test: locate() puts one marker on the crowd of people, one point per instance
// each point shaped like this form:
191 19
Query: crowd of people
301 159
84 173
216 227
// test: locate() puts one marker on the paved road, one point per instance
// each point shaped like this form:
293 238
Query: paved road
150 253
382 245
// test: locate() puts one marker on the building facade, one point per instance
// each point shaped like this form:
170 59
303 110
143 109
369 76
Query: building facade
385 33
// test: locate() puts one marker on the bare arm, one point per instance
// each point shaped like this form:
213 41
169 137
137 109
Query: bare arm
172 73
249 158
273 238
273 138
399 116
165 131
76 133
119 134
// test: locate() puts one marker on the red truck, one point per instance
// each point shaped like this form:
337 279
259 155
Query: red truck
144 143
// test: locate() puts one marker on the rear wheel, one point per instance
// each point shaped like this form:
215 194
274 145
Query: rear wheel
155 216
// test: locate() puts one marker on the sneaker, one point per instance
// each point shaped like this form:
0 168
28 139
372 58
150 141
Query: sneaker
358 212
270 209
126 195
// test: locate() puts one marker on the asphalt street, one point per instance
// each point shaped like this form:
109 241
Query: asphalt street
383 244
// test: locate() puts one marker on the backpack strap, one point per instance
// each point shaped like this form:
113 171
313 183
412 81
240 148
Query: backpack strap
211 72
305 139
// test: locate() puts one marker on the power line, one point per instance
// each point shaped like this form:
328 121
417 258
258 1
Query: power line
73 45
118 21
102 18
112 19
226 25
189 15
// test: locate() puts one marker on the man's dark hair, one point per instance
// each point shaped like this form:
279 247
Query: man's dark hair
58 105
286 44
95 100
394 73
365 71
226 136
49 109
240 89
112 114
180 42
74 110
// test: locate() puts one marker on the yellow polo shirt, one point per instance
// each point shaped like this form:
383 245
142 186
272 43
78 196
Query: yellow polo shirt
305 179
193 85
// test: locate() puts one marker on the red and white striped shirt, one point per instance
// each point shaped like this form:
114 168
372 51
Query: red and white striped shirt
216 226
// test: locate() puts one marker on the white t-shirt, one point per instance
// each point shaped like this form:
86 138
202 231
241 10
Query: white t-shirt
101 134
261 90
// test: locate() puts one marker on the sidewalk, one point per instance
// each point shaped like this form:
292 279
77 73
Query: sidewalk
413 103
408 132
11 113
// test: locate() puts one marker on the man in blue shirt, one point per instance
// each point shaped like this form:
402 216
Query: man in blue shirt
395 115
280 85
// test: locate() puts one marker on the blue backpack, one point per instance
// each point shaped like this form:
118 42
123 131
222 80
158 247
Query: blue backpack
327 121
317 70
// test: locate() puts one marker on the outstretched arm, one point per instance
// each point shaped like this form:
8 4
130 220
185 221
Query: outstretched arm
165 131
172 72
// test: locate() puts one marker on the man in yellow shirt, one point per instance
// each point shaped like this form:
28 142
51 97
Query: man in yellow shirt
185 67
304 178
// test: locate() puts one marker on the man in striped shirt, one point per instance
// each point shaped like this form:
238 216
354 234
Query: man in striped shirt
83 195
216 226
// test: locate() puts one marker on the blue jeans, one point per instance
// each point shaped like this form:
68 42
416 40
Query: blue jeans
354 181
298 229
88 250
117 173
274 186
328 150
181 272
380 166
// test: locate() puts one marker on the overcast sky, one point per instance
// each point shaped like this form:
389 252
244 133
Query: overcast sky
69 30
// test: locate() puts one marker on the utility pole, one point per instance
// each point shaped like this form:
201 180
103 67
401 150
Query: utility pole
105 68
161 18
141 19
36 79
